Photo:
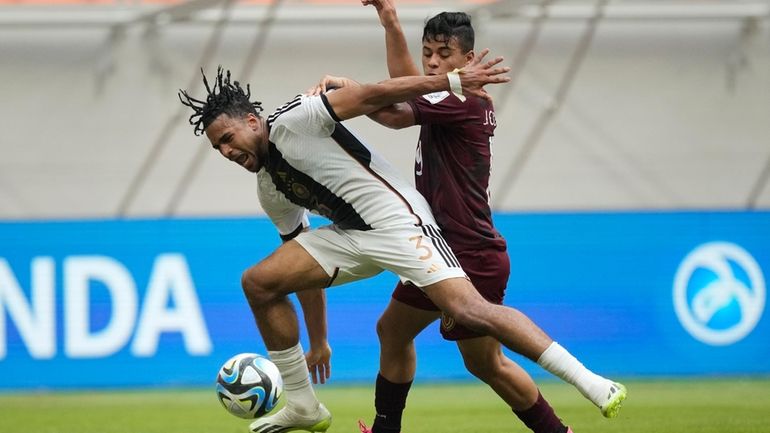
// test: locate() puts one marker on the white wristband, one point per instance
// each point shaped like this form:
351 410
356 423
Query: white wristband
455 86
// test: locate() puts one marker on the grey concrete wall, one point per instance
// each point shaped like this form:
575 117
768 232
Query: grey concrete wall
660 115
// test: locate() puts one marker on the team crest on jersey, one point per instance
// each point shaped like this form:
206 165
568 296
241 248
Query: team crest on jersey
436 97
300 190
447 322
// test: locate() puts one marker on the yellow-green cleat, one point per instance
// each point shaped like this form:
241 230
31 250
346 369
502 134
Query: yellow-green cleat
286 421
615 397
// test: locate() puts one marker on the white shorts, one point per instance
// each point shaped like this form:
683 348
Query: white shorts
417 254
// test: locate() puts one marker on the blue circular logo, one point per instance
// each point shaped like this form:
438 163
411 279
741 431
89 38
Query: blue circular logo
719 293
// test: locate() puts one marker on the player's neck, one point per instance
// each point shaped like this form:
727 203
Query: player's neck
263 140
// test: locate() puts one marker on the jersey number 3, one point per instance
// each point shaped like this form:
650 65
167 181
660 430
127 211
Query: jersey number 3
418 244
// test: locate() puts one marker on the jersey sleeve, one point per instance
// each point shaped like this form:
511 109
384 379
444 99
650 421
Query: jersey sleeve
288 218
305 115
439 107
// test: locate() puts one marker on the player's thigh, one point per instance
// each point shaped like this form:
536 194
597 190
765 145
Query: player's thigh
402 323
457 298
417 254
336 252
288 269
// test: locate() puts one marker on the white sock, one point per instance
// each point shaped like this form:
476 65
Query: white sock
300 397
556 360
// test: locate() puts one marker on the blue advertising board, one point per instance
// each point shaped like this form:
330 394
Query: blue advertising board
158 302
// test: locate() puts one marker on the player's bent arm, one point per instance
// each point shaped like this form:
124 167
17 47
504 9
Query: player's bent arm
318 358
395 116
400 63
313 304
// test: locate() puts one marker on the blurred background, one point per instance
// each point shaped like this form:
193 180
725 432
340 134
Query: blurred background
613 105
631 177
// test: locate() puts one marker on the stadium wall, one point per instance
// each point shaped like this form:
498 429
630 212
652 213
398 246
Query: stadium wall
661 114
157 302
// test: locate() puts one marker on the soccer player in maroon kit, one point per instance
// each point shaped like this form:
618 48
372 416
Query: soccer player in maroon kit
452 168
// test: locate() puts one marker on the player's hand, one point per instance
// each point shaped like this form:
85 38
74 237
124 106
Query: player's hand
330 82
385 10
319 362
478 73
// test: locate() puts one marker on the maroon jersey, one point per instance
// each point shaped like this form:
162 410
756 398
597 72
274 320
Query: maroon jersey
452 167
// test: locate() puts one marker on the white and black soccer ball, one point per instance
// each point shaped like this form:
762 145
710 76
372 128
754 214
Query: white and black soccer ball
249 385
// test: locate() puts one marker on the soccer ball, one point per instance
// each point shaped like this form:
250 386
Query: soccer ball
249 385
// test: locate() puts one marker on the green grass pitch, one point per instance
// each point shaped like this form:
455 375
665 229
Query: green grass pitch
661 406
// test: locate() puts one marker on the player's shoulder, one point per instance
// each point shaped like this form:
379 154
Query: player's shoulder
285 108
304 115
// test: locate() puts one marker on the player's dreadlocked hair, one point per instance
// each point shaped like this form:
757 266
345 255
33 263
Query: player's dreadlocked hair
225 97
447 25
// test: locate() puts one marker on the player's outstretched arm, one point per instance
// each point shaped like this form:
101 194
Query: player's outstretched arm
353 101
396 116
400 62
329 82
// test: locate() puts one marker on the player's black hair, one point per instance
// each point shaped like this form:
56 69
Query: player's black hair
224 97
446 25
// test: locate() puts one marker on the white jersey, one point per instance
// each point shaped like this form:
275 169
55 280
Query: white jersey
315 163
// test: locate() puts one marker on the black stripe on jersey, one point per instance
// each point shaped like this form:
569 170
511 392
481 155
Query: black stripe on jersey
294 234
284 108
333 277
330 109
443 249
303 190
443 242
353 146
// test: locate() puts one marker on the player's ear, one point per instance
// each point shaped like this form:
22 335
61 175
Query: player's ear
252 121
469 56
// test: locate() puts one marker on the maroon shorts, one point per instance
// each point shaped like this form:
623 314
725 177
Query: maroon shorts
488 271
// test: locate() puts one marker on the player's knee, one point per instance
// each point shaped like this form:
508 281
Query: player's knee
255 287
386 331
382 330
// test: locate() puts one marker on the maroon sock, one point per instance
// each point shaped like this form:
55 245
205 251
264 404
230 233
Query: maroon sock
540 418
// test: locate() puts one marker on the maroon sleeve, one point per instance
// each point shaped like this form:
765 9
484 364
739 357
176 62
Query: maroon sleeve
439 107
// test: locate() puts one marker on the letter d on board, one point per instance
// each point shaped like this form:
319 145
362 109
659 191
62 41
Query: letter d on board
79 341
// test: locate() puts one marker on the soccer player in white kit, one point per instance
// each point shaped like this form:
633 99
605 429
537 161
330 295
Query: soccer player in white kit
305 159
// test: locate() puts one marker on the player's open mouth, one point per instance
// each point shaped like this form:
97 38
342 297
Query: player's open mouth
242 159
